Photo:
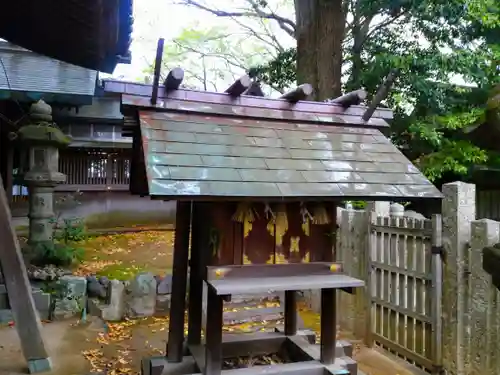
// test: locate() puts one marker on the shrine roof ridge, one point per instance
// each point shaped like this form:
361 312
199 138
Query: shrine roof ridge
223 104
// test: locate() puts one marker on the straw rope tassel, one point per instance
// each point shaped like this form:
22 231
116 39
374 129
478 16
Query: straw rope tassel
281 224
306 219
320 215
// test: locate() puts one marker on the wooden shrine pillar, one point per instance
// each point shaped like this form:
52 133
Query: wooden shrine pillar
197 265
328 325
179 282
18 287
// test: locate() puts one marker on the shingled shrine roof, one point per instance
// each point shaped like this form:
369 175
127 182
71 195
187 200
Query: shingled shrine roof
198 144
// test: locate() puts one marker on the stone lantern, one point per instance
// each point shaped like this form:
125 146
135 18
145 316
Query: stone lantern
43 141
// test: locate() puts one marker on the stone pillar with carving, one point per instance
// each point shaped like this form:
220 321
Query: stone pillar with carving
43 140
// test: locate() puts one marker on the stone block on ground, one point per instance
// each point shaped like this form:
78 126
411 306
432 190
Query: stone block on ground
94 307
95 288
141 296
6 316
104 281
42 304
162 303
165 285
46 273
115 310
4 299
39 365
71 297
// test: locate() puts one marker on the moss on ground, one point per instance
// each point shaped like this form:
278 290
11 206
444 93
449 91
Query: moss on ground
120 271
122 256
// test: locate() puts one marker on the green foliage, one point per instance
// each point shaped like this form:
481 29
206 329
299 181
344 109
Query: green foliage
487 12
444 154
430 43
70 230
357 205
279 73
62 250
57 254
434 45
456 157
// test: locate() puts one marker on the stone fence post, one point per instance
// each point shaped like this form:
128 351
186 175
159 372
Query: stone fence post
382 208
458 211
354 310
483 325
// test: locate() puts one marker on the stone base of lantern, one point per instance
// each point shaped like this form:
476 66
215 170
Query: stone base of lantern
39 365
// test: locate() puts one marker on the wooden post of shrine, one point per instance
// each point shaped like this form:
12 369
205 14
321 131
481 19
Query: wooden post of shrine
179 282
290 312
328 325
197 266
18 287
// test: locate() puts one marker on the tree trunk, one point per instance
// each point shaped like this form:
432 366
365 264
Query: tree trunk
320 32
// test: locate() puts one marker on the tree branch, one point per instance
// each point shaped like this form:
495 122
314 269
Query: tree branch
385 23
224 57
286 25
261 36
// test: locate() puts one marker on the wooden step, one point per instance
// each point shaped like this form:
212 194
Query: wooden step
253 315
249 298
250 304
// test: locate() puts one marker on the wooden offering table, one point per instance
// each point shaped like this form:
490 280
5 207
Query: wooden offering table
290 278
307 359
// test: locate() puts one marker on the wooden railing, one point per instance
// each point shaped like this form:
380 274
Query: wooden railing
95 167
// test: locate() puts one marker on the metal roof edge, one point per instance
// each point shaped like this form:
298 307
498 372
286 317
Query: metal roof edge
49 97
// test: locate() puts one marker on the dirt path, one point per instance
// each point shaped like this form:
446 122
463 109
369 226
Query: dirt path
373 362
77 349
64 343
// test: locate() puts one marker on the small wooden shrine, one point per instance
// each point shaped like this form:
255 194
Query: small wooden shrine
257 182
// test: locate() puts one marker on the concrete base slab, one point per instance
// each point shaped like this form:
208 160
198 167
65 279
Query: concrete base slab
39 365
